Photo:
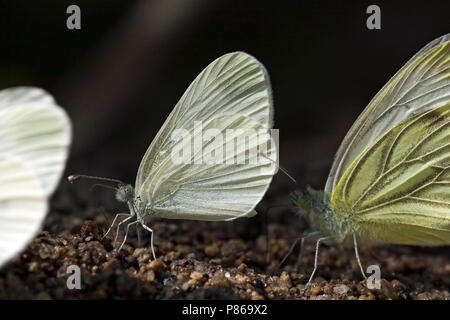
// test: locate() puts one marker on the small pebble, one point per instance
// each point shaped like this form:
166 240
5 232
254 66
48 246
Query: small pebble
212 250
242 279
315 289
242 267
150 276
286 279
257 283
197 276
33 266
341 289
43 296
157 265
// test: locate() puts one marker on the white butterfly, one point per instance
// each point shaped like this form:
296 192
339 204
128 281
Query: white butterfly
35 135
233 92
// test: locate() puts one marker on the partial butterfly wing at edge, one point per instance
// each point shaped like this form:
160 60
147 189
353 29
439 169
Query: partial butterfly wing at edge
36 130
398 189
23 206
422 84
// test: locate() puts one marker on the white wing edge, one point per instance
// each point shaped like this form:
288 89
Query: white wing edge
24 94
29 97
67 124
23 206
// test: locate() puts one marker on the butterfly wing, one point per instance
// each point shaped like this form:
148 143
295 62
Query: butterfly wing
225 186
398 190
34 129
235 83
23 206
233 92
22 95
422 84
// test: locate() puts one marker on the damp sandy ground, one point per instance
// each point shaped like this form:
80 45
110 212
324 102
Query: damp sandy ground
200 260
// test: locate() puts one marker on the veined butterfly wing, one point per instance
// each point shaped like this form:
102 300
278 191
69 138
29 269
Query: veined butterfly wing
422 84
37 131
23 206
398 190
21 95
214 184
235 87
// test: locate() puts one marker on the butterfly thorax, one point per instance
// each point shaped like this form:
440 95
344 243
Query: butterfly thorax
321 217
143 209
140 209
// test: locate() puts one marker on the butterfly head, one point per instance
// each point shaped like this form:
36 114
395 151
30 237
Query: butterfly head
308 201
303 202
125 193
311 205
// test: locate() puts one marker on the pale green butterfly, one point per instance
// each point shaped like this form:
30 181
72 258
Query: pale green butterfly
35 135
390 179
232 93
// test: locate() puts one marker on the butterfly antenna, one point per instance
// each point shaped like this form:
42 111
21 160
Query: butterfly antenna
73 178
279 167
100 185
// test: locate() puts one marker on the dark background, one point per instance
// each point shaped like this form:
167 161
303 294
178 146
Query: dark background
123 72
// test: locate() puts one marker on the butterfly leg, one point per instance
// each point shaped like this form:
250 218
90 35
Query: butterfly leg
151 239
138 236
300 254
126 233
302 238
290 250
114 221
357 256
308 284
118 227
